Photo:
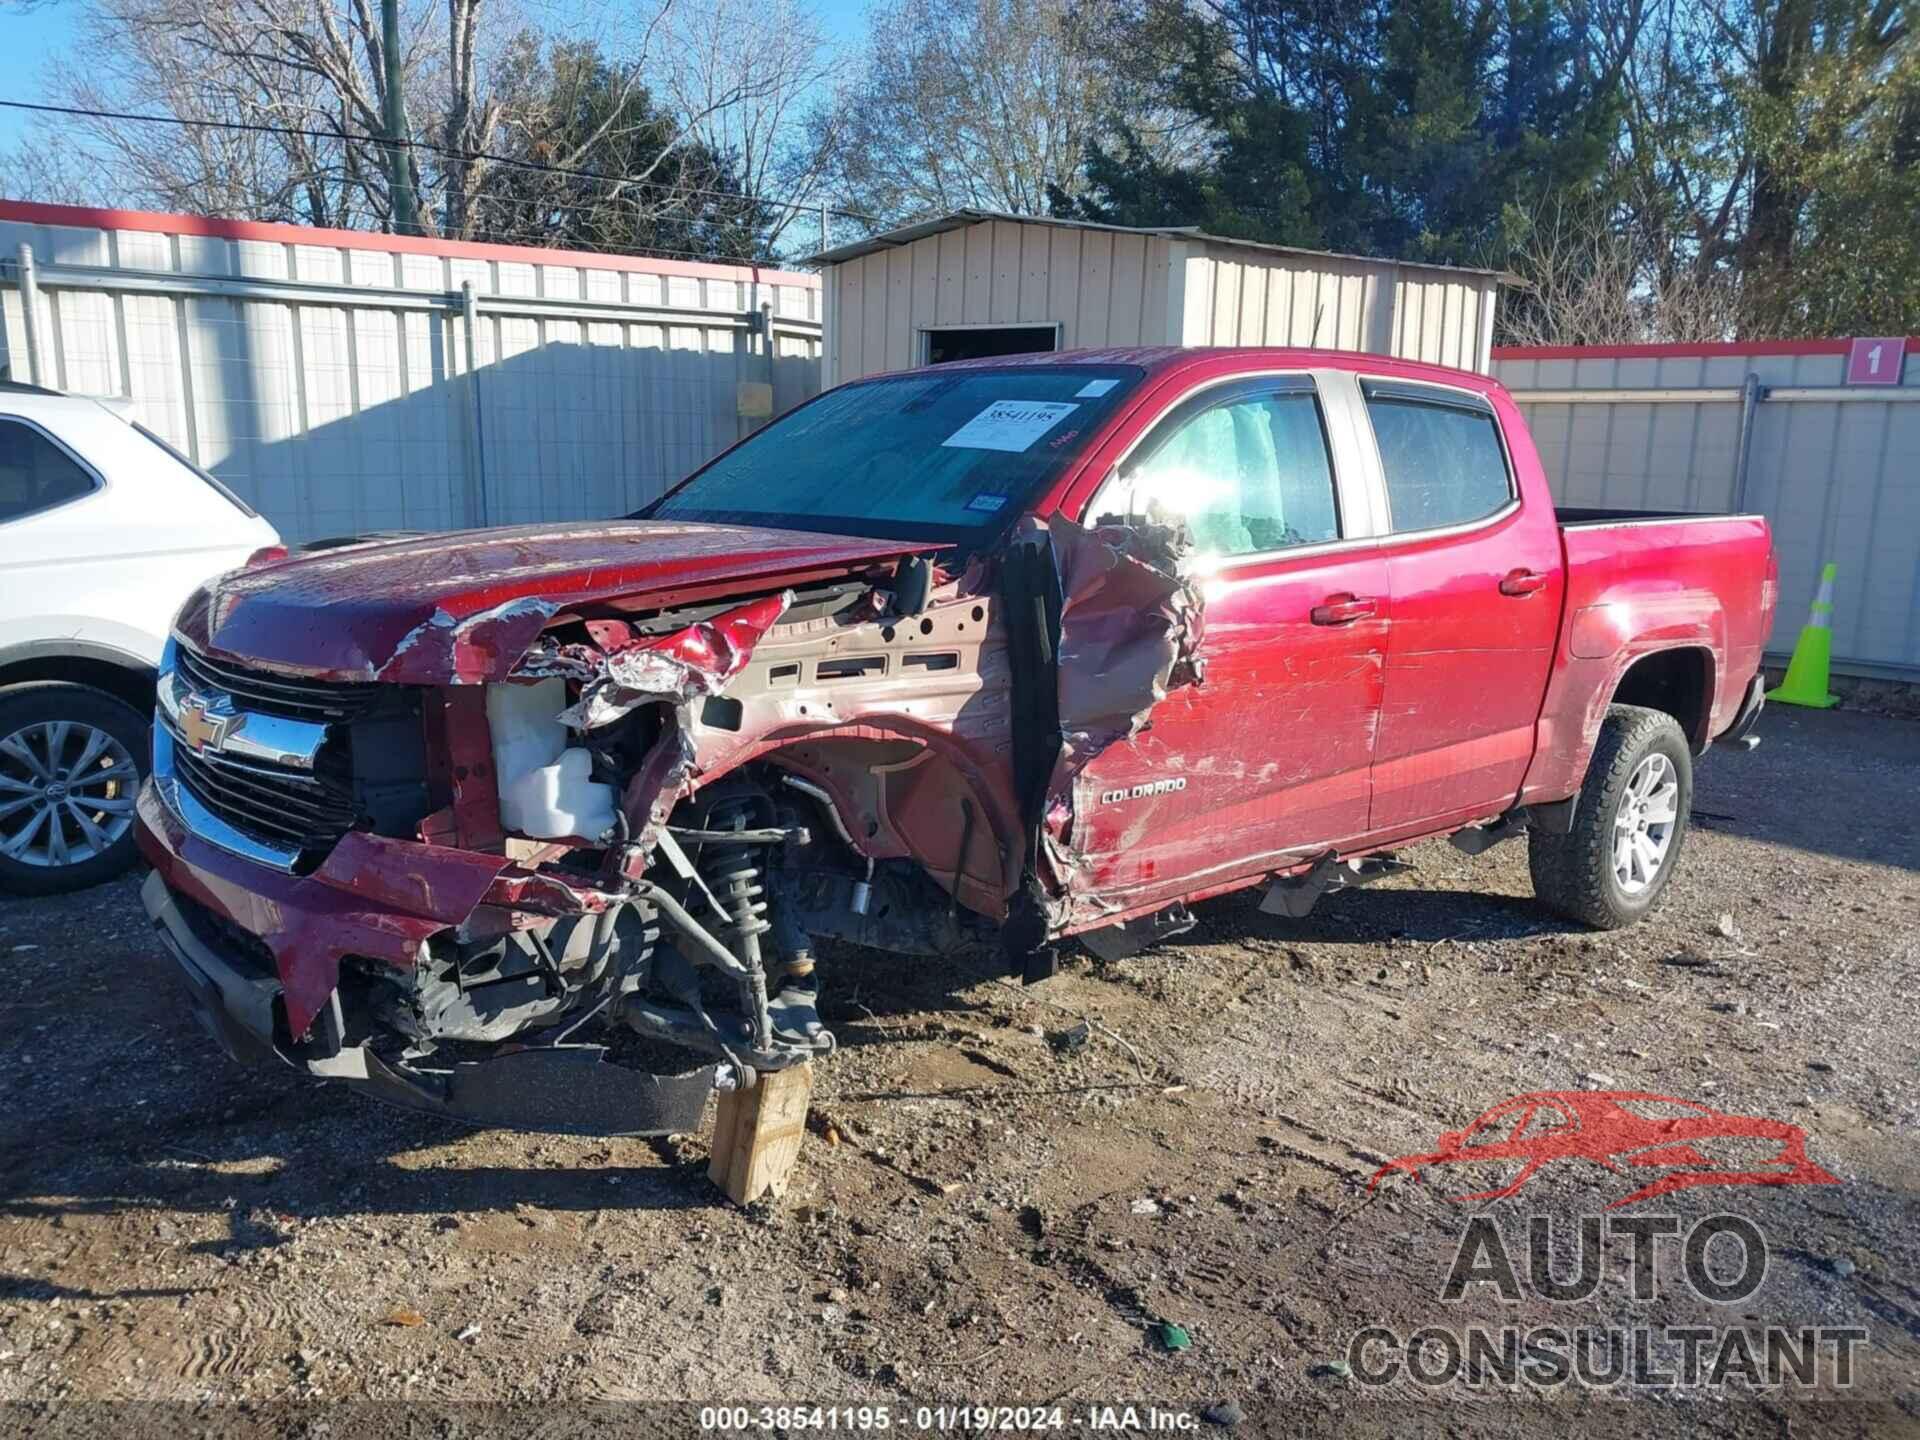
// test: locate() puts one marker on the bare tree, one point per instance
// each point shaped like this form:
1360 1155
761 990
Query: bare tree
976 103
741 73
53 173
283 102
1593 281
279 107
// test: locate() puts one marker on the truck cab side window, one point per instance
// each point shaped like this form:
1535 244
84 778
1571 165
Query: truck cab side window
35 473
1246 475
1444 463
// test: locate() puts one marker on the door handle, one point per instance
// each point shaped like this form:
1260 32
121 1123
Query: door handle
1345 609
1523 583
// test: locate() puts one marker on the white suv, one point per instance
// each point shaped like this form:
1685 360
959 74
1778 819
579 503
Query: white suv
104 531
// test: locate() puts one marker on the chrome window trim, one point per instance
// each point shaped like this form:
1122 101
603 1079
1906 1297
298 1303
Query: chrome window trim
99 480
1465 527
1227 565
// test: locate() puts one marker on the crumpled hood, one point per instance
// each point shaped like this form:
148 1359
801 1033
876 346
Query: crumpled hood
461 608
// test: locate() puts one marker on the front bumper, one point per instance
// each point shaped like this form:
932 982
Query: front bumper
283 1001
235 1006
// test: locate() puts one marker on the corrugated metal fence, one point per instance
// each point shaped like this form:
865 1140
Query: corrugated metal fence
1771 428
345 382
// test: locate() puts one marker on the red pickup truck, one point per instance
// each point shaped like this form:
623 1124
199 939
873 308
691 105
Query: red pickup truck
988 654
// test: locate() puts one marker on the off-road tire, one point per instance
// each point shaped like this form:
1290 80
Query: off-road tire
37 702
1573 873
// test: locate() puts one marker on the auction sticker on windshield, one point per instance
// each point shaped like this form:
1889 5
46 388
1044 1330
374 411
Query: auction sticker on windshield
1010 425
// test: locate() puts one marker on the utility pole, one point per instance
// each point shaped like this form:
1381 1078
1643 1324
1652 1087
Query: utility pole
406 218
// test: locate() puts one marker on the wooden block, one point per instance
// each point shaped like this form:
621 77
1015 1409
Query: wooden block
757 1135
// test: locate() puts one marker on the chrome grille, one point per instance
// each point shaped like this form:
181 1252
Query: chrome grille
258 764
321 701
308 811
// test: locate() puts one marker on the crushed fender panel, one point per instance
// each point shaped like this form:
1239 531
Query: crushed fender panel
1128 633
692 662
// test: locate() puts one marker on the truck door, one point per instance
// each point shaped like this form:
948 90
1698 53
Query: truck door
1476 582
1267 758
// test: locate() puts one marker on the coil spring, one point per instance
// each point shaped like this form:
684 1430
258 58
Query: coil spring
736 876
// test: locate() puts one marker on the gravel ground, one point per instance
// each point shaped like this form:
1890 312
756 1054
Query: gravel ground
990 1212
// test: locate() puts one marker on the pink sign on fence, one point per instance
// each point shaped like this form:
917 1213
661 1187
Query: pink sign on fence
1876 360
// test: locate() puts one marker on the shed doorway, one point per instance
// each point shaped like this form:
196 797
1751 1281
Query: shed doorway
980 342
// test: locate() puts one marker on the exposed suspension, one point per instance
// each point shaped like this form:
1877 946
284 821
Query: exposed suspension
715 906
734 873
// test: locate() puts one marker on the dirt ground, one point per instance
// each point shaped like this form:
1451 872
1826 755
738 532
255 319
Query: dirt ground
1016 1208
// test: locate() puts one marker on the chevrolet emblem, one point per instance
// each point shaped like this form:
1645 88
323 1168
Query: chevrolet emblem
203 726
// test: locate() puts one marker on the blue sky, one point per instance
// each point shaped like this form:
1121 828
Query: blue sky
31 39
34 37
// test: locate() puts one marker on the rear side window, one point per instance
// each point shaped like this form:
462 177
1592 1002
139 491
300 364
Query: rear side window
35 473
1444 462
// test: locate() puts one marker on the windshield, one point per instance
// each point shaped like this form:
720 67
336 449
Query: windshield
935 455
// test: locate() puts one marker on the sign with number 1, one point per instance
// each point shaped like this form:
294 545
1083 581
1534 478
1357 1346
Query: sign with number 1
1876 360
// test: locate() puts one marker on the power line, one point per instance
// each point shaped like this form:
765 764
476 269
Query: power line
422 145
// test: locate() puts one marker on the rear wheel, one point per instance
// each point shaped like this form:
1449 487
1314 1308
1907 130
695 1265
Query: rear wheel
71 761
1629 823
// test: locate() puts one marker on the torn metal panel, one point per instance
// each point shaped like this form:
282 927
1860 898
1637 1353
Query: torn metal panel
444 650
461 608
376 641
902 715
678 668
1130 628
1264 766
375 898
545 893
656 787
427 880
460 764
1115 629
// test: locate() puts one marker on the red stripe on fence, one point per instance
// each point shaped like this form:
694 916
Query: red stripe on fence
1703 350
32 213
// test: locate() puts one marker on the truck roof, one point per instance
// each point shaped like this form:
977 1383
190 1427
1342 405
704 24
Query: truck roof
1160 360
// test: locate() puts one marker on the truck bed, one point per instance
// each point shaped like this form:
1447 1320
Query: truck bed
1641 580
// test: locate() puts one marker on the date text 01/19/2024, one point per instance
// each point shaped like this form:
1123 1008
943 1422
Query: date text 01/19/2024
970 1419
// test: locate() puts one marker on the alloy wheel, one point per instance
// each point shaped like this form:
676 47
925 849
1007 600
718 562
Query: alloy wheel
66 793
1644 825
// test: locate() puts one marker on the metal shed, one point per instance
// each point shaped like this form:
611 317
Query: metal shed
981 283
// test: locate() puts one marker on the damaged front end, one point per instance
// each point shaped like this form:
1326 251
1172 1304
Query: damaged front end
560 861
